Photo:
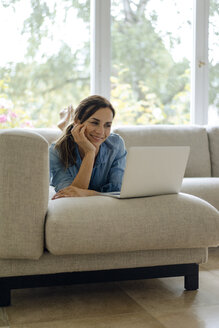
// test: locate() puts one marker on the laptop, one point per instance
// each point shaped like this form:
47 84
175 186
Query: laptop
152 171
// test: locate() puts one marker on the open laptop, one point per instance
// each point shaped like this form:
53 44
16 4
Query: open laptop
153 171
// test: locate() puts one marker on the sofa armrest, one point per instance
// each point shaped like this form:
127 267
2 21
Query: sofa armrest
24 188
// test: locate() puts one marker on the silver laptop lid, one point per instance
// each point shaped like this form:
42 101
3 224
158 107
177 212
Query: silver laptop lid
154 171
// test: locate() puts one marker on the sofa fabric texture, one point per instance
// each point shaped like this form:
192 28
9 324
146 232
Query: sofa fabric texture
24 176
38 236
213 135
204 188
107 225
196 137
49 263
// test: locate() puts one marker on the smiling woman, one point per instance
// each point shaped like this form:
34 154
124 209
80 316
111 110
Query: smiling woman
88 158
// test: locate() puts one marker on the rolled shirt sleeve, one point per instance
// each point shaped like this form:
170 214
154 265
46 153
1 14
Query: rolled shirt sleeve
60 177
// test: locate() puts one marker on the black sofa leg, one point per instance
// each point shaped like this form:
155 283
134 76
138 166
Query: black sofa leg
5 295
189 271
191 280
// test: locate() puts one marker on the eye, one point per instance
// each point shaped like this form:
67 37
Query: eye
108 125
94 123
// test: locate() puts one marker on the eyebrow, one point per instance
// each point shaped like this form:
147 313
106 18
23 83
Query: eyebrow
93 118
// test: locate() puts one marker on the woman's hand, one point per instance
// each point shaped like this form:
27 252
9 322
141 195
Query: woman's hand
72 191
66 116
78 133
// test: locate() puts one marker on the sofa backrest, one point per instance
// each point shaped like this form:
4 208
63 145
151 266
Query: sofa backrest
49 134
164 135
199 164
213 137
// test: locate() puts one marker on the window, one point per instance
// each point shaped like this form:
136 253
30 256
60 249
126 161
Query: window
151 55
45 59
151 59
213 113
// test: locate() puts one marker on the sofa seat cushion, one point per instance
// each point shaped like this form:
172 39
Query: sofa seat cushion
94 225
205 188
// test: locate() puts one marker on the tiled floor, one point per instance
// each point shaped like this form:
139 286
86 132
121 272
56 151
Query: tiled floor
156 303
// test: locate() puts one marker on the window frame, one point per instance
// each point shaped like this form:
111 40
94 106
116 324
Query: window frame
100 22
199 64
101 56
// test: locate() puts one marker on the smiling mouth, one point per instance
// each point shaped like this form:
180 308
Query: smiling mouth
96 138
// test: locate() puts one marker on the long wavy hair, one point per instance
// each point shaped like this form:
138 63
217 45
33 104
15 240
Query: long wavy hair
87 107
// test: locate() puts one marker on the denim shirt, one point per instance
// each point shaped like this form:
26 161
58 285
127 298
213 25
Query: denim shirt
107 172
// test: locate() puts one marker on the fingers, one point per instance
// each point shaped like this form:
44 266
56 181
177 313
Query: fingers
66 192
73 191
60 195
78 130
78 133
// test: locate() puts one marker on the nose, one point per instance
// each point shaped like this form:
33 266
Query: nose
100 130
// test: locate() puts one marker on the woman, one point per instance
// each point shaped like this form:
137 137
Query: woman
88 158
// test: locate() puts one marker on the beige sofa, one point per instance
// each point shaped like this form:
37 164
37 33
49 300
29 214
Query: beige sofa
70 240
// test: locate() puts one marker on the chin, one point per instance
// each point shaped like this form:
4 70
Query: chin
97 143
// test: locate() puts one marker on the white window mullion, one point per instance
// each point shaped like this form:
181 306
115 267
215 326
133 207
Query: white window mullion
100 47
199 79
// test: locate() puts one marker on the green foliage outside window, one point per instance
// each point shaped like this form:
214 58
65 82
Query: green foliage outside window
147 85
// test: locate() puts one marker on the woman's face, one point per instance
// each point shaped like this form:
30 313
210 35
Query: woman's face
98 126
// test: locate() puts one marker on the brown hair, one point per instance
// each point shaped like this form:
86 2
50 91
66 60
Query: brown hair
87 107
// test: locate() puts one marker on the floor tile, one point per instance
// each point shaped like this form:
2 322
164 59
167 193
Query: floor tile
200 317
169 296
154 303
137 320
81 301
3 318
